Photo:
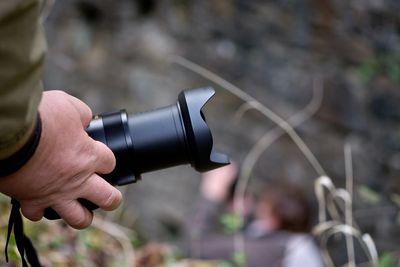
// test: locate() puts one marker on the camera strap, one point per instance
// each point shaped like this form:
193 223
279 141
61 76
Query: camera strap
24 244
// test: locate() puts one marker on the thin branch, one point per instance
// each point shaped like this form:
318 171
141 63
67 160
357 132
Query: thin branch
271 136
241 111
255 104
348 213
260 147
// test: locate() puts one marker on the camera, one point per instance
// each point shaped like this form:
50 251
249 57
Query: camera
157 139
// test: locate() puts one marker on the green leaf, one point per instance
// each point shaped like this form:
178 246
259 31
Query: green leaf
368 195
394 72
231 222
386 260
239 258
368 70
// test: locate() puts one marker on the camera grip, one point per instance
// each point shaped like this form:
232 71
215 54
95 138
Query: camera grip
51 214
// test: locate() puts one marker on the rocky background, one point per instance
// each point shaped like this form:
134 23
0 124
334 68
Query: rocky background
116 54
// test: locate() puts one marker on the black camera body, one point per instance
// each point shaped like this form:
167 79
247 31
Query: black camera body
169 136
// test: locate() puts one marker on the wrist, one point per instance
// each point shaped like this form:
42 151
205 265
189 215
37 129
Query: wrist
23 153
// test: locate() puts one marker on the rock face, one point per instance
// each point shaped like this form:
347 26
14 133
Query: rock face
115 55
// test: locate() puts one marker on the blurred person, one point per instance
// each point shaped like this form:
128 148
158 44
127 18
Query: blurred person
46 157
276 235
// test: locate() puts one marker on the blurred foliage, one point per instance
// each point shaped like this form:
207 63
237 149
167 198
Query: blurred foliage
368 195
386 65
60 245
239 258
396 199
231 222
387 260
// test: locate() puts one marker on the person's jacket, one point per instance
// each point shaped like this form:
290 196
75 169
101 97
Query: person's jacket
260 248
22 55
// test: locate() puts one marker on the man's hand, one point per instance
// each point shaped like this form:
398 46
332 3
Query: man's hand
64 166
215 184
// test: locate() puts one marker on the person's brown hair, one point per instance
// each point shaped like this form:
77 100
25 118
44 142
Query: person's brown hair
289 205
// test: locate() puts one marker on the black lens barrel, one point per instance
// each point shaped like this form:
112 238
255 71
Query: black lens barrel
158 139
112 130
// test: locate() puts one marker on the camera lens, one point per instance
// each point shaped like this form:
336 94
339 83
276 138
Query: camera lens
161 138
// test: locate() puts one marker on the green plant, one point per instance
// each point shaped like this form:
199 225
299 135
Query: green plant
386 260
385 64
231 222
224 264
239 258
368 70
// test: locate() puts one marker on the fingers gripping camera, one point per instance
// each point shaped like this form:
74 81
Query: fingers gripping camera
169 136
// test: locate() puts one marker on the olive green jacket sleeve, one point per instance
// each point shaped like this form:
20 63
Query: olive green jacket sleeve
22 52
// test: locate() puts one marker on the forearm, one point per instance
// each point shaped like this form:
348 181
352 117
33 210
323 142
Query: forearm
22 52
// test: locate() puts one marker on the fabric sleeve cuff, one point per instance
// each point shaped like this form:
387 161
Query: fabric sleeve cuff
13 163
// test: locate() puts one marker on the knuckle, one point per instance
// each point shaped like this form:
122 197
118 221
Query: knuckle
93 159
58 92
112 199
109 199
105 159
94 151
80 222
88 111
88 156
73 214
85 110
